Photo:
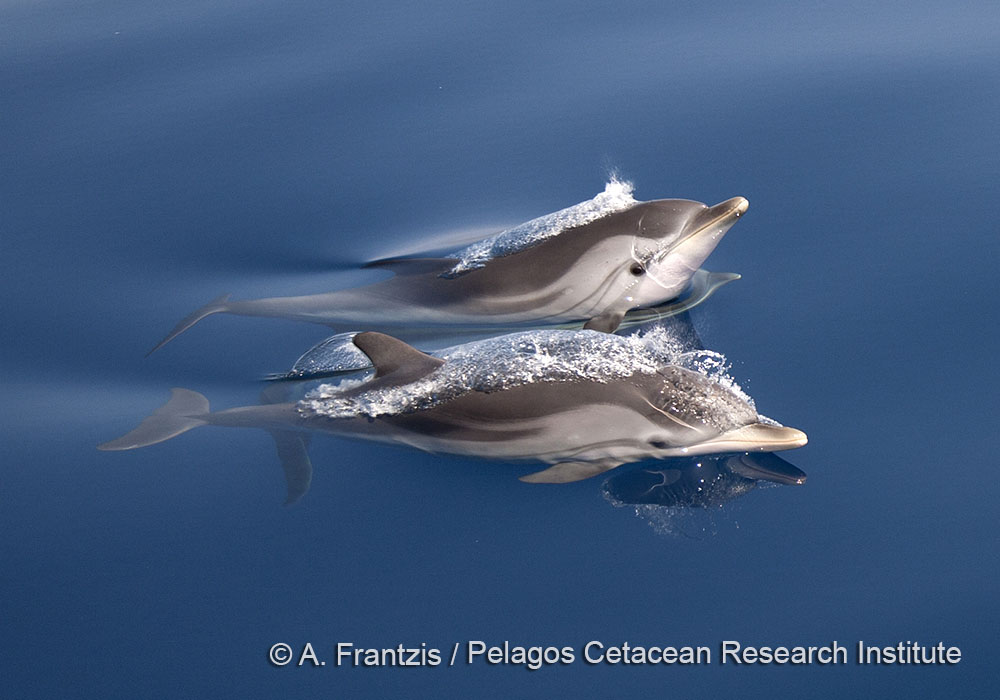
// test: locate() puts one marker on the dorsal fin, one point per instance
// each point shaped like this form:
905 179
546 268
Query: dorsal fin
391 356
414 266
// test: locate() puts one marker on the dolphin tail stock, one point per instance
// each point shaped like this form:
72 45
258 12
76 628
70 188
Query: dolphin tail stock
186 409
213 307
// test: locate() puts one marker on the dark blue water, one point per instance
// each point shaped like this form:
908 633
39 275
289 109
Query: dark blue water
155 156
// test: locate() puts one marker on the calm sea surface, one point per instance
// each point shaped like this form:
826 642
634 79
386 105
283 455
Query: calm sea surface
158 155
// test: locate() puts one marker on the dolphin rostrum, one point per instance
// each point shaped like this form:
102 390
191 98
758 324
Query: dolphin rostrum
593 262
582 402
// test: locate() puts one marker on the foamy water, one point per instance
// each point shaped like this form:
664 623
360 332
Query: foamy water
523 358
617 195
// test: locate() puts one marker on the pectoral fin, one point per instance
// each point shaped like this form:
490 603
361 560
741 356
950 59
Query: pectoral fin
607 322
295 461
566 472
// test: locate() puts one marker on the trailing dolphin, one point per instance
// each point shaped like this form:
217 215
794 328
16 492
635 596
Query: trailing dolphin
582 402
591 262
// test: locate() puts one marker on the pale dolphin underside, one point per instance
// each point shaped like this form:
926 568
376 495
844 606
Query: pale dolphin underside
580 420
639 256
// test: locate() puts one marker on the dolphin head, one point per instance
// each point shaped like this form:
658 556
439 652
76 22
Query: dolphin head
695 415
674 238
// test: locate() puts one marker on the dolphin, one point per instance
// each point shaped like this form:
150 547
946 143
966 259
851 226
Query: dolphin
580 402
592 262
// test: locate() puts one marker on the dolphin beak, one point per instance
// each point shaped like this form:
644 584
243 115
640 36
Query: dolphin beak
710 224
699 237
725 212
758 437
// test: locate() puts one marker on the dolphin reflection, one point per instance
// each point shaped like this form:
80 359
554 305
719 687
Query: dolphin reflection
699 482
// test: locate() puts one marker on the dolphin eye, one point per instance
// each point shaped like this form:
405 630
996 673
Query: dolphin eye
637 269
659 444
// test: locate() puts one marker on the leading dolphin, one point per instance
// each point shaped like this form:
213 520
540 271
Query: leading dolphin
583 402
593 261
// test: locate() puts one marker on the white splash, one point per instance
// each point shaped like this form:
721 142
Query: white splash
338 353
617 195
524 358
